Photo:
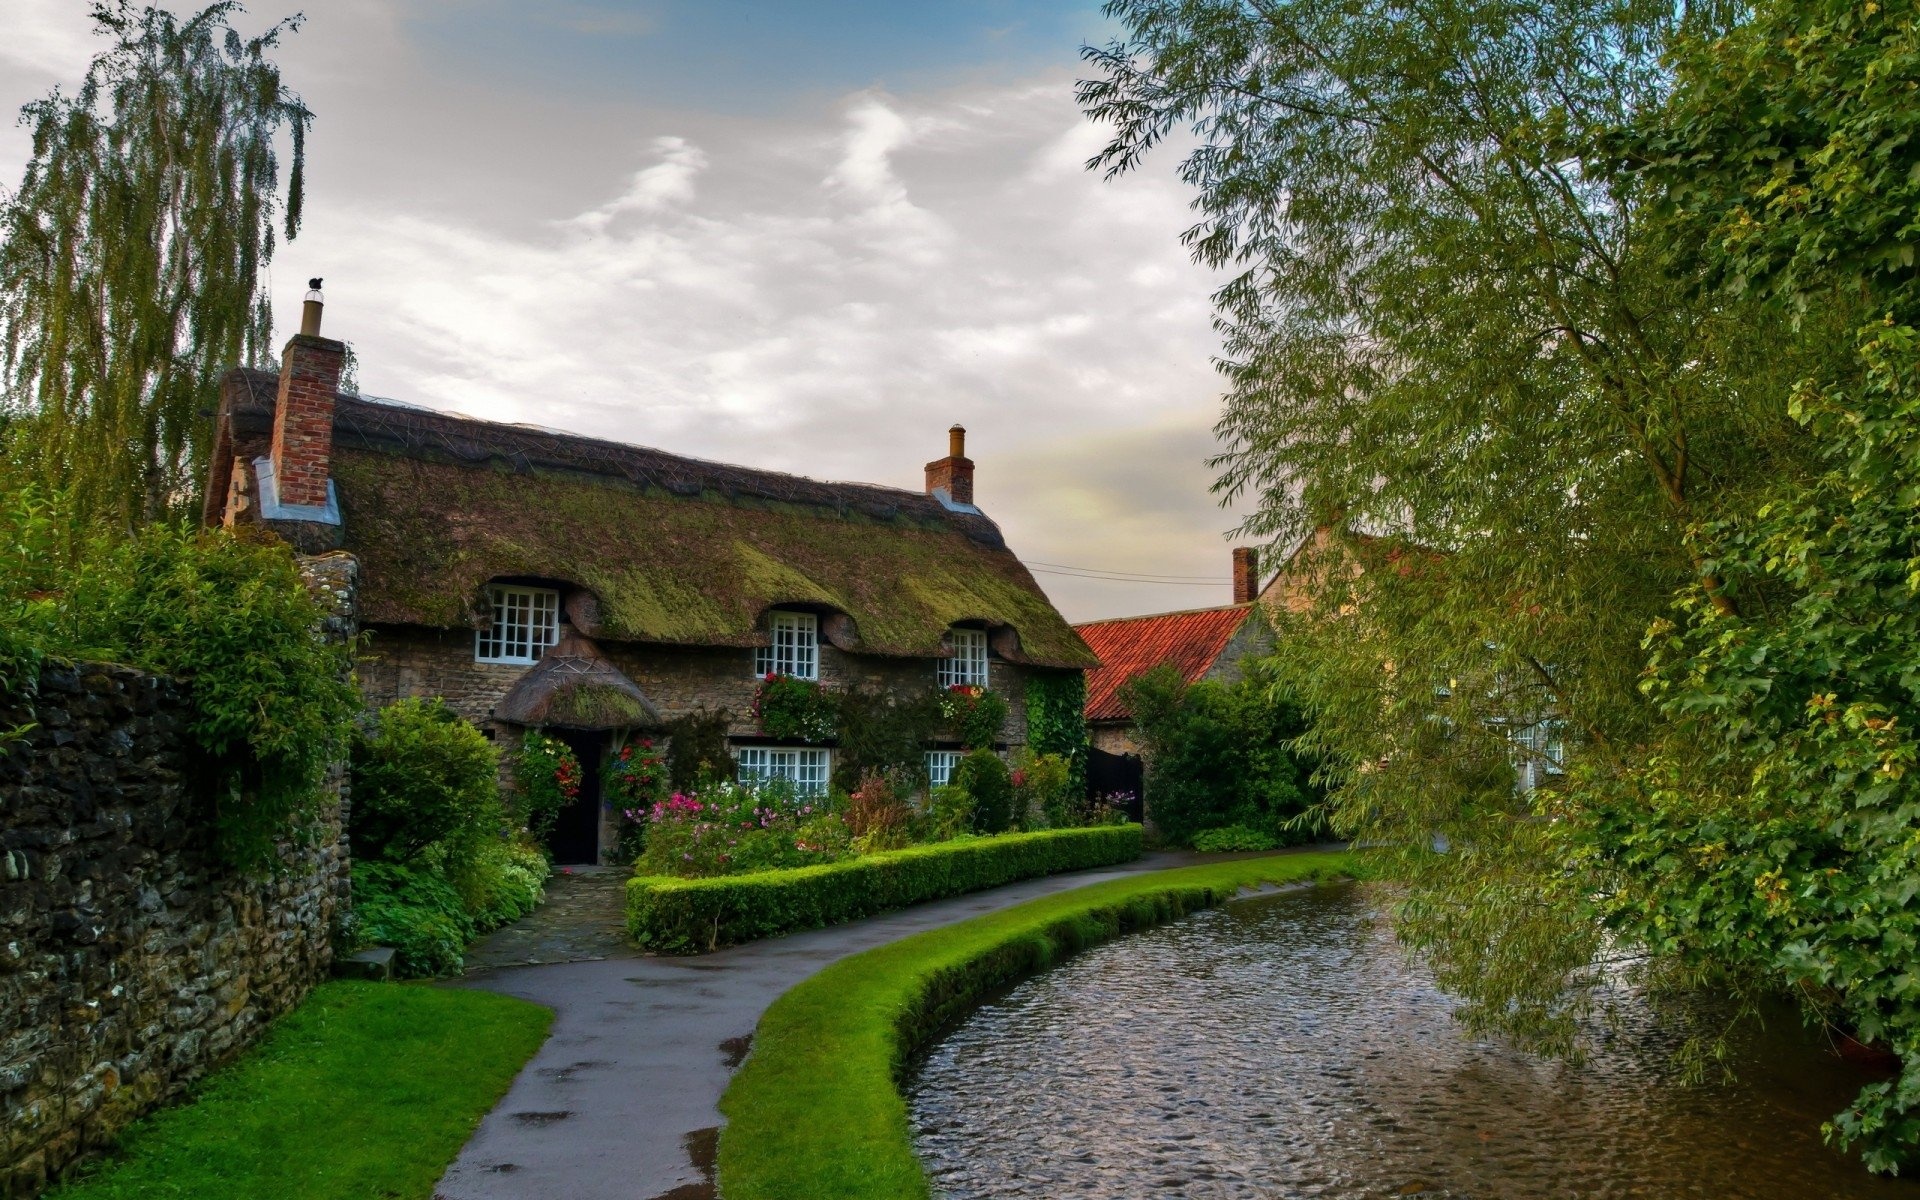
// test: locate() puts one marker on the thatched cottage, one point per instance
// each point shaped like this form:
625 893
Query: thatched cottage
534 578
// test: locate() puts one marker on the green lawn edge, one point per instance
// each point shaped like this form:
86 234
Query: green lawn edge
671 915
816 1110
364 1090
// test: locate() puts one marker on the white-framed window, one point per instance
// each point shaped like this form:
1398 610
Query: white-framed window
796 647
940 765
1540 752
968 666
806 767
526 620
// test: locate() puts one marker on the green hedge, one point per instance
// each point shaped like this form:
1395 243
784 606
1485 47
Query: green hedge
690 916
816 1112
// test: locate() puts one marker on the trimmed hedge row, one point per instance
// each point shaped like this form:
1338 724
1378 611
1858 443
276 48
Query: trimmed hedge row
691 916
816 1112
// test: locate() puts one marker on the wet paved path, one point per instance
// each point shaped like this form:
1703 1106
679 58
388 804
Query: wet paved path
620 1103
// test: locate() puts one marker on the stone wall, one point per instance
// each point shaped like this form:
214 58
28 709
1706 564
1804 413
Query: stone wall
132 961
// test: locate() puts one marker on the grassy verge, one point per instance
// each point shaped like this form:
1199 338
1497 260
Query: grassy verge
682 916
365 1090
816 1112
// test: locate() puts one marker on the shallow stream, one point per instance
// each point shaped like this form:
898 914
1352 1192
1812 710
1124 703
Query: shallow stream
1285 1047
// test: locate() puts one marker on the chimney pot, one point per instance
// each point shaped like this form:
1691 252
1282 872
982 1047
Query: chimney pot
954 473
1246 574
310 309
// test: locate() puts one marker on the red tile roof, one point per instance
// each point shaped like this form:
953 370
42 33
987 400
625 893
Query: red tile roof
1131 646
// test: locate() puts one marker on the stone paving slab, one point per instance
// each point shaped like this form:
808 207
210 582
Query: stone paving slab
621 1101
582 920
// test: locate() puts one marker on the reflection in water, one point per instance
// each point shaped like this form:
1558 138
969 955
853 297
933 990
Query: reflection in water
1284 1047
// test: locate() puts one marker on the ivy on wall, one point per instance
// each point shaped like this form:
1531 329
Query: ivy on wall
1057 721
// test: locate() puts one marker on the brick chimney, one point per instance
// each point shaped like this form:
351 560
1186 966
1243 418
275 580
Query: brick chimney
303 419
954 473
1246 575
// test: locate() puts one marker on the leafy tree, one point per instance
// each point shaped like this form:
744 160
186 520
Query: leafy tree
1567 323
132 254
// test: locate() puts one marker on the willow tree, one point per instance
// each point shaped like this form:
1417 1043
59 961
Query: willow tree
1460 332
134 253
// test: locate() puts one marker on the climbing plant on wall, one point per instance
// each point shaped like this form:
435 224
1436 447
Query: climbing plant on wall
1057 721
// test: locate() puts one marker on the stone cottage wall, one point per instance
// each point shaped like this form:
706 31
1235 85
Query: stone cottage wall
131 960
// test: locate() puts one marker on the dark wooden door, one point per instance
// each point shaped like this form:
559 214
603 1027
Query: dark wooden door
575 838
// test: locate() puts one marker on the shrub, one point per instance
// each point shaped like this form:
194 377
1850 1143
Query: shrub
1234 837
734 827
877 814
1057 721
636 781
949 814
546 776
1041 790
697 754
503 882
694 915
975 714
414 910
983 777
1221 754
421 775
228 612
794 709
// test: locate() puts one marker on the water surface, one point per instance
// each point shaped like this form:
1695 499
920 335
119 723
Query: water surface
1284 1047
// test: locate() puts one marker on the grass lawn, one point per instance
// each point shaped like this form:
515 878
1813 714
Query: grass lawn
365 1091
816 1113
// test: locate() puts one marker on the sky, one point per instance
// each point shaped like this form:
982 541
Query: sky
804 235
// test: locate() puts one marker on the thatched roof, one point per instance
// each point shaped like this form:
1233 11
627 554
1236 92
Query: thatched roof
573 686
669 549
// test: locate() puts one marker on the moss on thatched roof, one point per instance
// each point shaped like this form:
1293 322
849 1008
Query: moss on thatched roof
673 550
573 686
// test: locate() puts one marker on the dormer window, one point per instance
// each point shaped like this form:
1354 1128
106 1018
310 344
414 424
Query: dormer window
526 620
968 666
796 646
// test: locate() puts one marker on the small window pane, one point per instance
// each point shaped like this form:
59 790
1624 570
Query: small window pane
525 622
805 767
968 666
940 765
795 648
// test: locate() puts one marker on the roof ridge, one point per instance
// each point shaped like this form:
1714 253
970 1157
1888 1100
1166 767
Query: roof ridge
1178 612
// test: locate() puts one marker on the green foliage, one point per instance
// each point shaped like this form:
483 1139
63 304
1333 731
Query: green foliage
422 775
1598 319
133 255
983 776
691 916
697 754
877 814
975 715
790 709
734 828
949 815
417 911
880 732
1057 721
1221 755
364 1090
546 777
1043 795
636 782
816 1112
230 615
1234 838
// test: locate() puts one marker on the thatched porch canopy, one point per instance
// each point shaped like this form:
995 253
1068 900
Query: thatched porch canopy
575 687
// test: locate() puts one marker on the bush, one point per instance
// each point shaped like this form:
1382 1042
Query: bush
877 814
975 714
1041 790
794 710
414 910
690 916
422 775
984 778
636 782
1234 837
503 882
949 815
731 828
546 776
1220 754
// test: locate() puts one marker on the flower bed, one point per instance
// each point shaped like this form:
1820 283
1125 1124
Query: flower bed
690 916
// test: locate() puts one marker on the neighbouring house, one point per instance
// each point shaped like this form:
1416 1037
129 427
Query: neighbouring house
1200 643
533 578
